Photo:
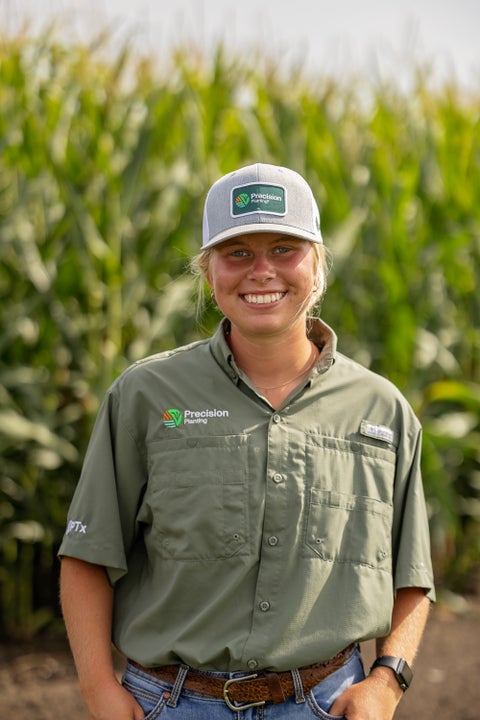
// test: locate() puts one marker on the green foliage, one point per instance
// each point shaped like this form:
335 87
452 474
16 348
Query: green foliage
104 165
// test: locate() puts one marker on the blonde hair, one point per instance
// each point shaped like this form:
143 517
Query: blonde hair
200 265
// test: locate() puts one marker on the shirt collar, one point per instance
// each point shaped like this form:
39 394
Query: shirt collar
318 332
326 340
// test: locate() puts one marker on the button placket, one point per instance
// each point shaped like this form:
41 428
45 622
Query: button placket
271 566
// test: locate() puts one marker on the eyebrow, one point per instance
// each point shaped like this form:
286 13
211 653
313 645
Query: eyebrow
241 240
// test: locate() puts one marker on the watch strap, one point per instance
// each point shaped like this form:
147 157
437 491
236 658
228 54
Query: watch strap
400 668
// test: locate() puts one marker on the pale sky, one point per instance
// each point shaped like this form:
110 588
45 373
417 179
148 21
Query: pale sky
373 36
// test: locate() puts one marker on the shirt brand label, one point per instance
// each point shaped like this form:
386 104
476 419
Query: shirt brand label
258 197
379 432
76 526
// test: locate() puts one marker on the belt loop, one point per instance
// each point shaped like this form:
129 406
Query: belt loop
298 686
178 685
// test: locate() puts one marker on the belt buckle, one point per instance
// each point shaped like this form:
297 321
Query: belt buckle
238 708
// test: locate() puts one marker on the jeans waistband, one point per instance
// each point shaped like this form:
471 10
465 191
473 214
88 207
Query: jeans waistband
250 690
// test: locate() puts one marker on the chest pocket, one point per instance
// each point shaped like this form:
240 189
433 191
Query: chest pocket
349 529
197 498
349 503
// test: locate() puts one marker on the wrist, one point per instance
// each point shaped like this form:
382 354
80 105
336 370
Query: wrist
90 683
396 669
383 677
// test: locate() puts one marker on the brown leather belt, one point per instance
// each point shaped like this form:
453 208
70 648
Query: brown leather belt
251 690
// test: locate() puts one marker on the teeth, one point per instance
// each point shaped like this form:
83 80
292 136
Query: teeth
264 299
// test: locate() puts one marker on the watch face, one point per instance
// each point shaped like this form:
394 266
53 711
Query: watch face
404 674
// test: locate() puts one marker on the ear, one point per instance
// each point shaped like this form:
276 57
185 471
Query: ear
206 263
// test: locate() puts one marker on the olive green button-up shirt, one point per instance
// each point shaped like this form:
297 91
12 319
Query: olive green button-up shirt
239 537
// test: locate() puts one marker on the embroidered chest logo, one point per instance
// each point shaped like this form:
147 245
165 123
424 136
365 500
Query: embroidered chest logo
173 417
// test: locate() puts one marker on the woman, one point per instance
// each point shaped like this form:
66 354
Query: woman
250 506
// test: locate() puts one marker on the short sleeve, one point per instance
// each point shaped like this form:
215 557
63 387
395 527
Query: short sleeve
101 523
411 538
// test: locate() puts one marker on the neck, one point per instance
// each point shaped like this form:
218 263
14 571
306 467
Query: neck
272 362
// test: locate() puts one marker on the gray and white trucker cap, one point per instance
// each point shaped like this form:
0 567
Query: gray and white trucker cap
260 198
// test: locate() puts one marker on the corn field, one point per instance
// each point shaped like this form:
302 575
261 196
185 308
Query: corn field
104 164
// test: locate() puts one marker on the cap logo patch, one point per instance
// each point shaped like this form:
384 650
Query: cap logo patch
258 197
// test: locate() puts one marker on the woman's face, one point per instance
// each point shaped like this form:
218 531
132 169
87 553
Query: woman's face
263 282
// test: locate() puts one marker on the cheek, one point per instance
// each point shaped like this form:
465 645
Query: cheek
222 277
312 279
220 288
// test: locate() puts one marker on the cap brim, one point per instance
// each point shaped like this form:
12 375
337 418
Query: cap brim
263 228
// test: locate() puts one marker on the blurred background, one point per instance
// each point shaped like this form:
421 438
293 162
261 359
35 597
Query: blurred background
116 118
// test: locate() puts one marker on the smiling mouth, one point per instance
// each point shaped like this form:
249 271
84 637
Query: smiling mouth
265 299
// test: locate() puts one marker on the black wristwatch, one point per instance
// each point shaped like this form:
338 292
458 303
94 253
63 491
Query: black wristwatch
401 669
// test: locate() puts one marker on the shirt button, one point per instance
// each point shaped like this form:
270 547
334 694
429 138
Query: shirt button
252 664
273 540
277 478
264 606
276 418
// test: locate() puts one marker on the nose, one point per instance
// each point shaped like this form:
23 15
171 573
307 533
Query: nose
261 268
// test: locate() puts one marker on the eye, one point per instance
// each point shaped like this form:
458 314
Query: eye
281 249
238 253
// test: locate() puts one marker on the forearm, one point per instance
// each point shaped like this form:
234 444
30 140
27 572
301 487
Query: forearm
87 603
377 697
87 599
409 617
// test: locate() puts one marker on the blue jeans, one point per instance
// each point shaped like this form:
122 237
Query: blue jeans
161 700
